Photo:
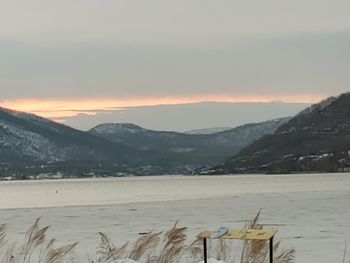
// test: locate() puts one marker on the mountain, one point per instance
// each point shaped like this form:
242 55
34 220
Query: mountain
181 151
208 130
29 138
30 145
316 139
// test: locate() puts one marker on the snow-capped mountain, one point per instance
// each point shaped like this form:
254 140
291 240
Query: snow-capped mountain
316 139
209 130
118 128
174 148
26 137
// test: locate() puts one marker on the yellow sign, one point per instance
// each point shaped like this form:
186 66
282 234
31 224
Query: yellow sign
243 234
251 234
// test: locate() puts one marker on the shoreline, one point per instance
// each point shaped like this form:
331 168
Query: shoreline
114 191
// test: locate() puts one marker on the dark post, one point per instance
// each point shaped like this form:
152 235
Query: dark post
271 250
205 250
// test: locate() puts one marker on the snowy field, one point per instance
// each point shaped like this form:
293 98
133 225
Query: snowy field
311 211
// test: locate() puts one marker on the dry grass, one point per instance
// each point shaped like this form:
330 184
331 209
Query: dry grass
35 247
144 246
345 254
2 235
107 251
154 247
171 247
258 252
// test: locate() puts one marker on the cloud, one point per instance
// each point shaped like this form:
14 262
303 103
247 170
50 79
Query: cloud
307 64
183 117
181 22
62 58
61 109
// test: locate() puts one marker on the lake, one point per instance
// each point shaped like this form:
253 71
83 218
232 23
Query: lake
311 211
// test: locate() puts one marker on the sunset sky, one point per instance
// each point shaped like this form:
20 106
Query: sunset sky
65 58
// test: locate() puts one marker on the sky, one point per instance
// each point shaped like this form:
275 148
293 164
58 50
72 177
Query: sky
190 116
63 59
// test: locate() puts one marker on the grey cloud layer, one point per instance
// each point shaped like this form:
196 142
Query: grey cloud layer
306 64
190 116
132 48
158 20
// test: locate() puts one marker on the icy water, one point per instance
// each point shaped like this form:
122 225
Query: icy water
311 212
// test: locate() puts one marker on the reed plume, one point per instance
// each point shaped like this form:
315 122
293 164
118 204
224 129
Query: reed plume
153 247
34 246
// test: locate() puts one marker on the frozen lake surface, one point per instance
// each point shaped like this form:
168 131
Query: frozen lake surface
312 212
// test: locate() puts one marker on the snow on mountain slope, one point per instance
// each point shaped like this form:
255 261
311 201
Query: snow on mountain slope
117 128
29 137
209 130
317 139
25 144
183 148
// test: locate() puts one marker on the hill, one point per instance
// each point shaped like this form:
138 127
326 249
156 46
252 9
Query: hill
180 151
30 145
316 139
27 138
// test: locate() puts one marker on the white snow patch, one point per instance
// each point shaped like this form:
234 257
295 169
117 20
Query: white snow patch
213 260
182 150
115 128
127 260
208 130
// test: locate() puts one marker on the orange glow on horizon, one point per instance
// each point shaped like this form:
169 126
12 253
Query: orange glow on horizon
58 109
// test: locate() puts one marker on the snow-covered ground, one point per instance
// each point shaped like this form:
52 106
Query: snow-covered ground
311 212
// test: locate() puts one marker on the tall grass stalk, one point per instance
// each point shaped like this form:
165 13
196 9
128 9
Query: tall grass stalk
173 247
35 248
154 247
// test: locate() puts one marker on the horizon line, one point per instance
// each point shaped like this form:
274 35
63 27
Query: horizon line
56 108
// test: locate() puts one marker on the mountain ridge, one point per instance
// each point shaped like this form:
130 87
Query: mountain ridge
183 149
110 148
316 139
20 130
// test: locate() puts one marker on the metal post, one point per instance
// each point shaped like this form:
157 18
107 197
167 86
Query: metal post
271 250
205 250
